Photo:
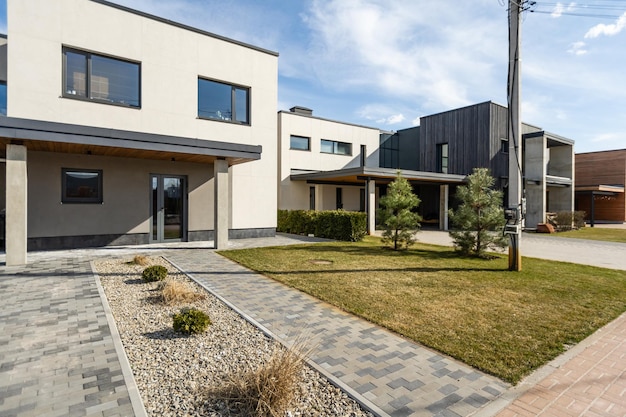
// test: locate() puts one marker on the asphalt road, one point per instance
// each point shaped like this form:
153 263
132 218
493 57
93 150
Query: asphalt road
587 252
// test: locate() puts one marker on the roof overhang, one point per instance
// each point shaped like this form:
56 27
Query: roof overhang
358 175
45 136
600 189
551 139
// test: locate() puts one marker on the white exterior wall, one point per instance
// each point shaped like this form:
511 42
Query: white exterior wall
172 58
295 194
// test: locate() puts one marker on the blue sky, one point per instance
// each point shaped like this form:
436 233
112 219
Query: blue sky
385 63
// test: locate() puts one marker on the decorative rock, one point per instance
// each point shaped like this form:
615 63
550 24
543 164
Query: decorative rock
173 372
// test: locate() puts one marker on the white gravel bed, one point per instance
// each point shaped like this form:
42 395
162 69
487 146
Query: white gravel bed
173 371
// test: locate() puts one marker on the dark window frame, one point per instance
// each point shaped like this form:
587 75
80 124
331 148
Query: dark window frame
504 145
88 58
335 147
441 158
308 139
233 102
97 199
3 106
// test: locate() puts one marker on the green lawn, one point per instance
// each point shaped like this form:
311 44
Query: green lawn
596 233
504 323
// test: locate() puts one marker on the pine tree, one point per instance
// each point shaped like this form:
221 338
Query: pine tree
396 216
478 222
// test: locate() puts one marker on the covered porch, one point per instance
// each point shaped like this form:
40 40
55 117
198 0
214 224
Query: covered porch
370 181
50 146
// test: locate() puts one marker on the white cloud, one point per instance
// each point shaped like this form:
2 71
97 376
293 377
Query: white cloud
409 51
381 114
392 120
559 8
607 30
577 48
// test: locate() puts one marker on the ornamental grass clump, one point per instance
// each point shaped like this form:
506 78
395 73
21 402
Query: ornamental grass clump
269 390
140 260
154 273
191 321
176 292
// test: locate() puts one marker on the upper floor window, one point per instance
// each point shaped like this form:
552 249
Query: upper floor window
100 78
442 158
301 143
221 101
339 148
3 98
504 145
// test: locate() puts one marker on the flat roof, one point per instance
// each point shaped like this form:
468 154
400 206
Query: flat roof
360 174
183 26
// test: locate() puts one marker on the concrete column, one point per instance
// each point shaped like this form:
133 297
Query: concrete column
444 193
370 203
221 204
16 205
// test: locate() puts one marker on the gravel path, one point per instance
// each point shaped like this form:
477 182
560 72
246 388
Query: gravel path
174 372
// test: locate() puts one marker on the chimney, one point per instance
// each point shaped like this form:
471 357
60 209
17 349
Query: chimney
301 110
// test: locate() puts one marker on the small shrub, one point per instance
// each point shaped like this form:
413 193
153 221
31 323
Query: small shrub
191 320
154 273
567 220
269 390
175 292
331 224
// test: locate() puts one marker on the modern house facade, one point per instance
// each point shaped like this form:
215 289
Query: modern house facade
600 182
435 157
151 132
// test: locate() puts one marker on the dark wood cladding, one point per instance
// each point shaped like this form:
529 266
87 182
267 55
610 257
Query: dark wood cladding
602 168
474 135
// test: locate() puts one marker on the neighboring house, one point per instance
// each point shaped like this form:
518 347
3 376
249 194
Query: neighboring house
125 128
600 182
435 157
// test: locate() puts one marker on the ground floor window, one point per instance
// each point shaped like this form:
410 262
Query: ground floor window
81 186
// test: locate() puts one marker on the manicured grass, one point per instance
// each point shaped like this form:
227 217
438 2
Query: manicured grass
596 233
504 323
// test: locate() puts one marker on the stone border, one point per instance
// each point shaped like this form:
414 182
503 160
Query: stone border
129 379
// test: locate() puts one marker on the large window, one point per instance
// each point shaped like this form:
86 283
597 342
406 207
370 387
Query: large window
89 76
442 158
81 186
220 101
301 143
3 98
339 148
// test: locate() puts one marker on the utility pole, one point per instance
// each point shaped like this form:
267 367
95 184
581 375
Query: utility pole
516 209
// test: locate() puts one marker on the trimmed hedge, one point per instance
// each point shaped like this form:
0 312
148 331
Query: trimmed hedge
349 226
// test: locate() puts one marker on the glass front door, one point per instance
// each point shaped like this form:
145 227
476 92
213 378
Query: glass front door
169 206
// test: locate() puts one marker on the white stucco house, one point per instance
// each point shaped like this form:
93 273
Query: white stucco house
151 132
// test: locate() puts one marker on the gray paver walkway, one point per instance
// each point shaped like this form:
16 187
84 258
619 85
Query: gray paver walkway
57 356
387 373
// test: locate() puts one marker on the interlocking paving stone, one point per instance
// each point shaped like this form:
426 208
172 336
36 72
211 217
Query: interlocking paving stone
56 351
381 369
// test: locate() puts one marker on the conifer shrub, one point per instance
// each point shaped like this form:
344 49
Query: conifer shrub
154 273
191 321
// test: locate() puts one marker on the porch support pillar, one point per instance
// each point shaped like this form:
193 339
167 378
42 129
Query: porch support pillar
16 220
370 204
444 193
221 204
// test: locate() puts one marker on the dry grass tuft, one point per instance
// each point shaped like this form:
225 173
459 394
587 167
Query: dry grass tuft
140 260
175 292
269 390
